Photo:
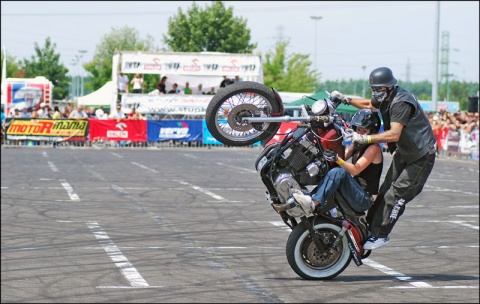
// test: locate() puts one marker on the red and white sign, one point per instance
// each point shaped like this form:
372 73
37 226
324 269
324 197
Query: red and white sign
285 128
216 64
124 129
27 93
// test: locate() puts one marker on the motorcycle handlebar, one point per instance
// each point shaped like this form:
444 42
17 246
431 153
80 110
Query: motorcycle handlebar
286 118
338 123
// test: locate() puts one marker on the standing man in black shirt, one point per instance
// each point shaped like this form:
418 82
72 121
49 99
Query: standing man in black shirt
410 139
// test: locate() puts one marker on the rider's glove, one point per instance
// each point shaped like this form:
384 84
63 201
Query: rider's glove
337 97
359 140
330 155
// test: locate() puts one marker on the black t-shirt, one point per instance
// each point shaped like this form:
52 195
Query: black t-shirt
401 113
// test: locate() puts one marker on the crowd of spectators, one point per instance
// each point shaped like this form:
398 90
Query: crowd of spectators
456 133
71 112
161 86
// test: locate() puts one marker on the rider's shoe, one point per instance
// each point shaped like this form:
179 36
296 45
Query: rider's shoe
304 200
375 242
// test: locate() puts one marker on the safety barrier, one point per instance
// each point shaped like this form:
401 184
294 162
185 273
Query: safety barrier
107 133
124 133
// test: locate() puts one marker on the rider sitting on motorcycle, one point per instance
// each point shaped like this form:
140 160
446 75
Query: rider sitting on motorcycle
357 181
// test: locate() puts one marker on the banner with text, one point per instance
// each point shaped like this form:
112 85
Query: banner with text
171 104
47 129
186 130
218 64
124 129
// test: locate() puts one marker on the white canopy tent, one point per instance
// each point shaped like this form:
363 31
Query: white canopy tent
101 97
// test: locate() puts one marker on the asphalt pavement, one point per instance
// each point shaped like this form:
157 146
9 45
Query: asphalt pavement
193 225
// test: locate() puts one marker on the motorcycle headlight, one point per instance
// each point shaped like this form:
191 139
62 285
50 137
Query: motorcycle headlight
319 107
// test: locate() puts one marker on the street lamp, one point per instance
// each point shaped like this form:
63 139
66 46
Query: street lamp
82 52
315 18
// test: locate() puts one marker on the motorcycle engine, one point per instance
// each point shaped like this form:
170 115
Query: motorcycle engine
298 167
284 183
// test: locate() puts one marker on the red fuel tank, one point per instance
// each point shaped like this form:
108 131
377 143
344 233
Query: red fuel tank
332 140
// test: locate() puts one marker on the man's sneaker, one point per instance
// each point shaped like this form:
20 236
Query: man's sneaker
375 242
305 201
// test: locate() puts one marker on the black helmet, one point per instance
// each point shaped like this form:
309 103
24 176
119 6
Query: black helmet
382 77
367 119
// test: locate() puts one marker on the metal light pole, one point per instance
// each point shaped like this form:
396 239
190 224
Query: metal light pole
82 52
364 77
435 60
74 89
315 18
77 80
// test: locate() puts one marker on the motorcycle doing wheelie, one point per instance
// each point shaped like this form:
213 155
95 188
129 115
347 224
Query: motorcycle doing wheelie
323 242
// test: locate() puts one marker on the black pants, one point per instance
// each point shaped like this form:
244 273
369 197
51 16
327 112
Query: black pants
402 183
119 96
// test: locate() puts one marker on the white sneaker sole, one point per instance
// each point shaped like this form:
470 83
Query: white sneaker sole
370 246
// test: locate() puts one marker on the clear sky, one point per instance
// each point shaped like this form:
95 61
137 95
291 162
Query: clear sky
350 34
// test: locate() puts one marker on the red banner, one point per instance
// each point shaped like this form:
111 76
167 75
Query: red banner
285 127
125 129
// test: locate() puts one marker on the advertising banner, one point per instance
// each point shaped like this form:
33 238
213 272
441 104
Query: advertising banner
217 64
208 138
474 144
47 129
186 130
124 129
453 139
172 104
26 93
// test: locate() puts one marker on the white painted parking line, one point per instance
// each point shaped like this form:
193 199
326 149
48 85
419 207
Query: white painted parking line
440 189
121 261
462 223
44 154
238 168
52 166
437 287
70 191
215 196
144 167
117 155
190 156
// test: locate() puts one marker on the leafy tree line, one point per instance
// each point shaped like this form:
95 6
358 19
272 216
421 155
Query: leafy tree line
213 28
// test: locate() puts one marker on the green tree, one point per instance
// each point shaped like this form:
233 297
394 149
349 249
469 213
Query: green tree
213 29
119 39
46 63
14 67
288 73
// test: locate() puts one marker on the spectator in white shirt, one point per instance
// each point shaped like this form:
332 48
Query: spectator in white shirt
78 113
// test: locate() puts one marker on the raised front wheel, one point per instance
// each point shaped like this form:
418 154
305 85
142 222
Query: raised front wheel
243 99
